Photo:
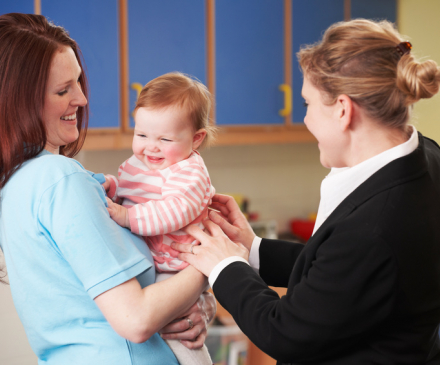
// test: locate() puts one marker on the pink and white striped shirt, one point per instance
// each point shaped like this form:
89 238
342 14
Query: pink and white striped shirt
161 202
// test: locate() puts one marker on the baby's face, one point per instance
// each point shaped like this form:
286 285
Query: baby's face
163 137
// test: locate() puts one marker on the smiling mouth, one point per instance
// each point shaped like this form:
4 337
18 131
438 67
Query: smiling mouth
153 159
69 117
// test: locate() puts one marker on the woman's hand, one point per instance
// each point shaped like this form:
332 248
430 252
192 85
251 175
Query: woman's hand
118 213
231 220
214 247
191 330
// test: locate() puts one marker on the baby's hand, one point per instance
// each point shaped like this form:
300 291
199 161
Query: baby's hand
118 213
106 184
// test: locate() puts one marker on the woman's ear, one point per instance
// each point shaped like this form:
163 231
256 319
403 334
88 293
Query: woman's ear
344 111
198 138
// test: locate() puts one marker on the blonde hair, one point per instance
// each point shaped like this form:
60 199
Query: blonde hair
180 90
359 58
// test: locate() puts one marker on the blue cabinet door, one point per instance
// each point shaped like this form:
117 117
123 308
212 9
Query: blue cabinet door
249 62
17 6
309 21
94 26
165 36
374 9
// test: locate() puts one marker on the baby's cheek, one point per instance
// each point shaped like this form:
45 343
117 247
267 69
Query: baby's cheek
175 153
138 148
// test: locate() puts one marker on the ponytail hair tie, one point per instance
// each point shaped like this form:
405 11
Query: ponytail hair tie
403 48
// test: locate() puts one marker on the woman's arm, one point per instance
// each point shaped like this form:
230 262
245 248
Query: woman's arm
136 313
276 253
201 314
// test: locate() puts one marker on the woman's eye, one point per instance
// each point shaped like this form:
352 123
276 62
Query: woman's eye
61 93
305 104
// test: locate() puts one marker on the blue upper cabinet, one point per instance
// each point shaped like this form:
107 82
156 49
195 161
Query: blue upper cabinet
165 36
309 21
171 35
17 6
249 62
374 9
94 26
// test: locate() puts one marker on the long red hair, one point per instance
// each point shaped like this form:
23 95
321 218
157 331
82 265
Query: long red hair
28 44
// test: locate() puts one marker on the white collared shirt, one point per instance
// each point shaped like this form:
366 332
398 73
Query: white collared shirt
335 187
341 182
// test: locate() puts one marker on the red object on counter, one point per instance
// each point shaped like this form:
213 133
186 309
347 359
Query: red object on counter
303 228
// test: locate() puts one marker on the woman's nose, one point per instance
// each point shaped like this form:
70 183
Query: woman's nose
80 99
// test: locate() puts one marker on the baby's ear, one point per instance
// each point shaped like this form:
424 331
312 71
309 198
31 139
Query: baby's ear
198 138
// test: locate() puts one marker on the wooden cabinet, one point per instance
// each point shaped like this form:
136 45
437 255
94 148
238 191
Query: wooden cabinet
249 62
374 9
243 50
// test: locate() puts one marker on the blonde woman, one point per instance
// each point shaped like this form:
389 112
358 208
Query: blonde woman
365 289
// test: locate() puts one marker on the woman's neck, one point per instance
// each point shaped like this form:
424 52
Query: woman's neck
371 140
52 149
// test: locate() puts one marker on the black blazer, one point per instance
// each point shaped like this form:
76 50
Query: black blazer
365 289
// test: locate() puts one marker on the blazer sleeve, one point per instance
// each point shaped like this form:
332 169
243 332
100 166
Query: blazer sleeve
276 261
349 290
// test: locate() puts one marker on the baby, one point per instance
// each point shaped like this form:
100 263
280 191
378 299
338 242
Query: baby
165 185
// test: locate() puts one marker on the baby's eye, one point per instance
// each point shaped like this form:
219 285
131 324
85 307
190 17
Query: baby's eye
166 140
305 104
141 135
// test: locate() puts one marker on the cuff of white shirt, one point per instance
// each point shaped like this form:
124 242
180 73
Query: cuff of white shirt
221 265
254 254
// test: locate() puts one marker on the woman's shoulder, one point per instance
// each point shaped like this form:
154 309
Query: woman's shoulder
47 168
44 174
47 162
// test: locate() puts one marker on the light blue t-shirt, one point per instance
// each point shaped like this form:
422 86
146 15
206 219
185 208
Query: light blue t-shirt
62 250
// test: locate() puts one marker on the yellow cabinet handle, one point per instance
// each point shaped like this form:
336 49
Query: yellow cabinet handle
287 100
138 87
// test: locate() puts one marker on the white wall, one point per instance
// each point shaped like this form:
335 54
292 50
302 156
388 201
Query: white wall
419 21
14 347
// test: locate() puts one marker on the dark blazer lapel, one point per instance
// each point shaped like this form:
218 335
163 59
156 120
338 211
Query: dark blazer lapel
399 171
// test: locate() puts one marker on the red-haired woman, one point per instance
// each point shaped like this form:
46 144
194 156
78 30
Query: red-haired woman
365 289
80 283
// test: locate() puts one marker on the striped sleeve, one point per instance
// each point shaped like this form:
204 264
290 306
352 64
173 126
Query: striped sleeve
185 194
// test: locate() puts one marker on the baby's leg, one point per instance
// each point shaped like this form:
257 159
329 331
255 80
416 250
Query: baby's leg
184 355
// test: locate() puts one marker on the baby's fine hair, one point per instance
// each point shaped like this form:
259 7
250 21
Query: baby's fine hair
359 58
183 91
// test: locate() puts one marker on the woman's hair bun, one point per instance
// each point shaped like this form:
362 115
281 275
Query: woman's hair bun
417 80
